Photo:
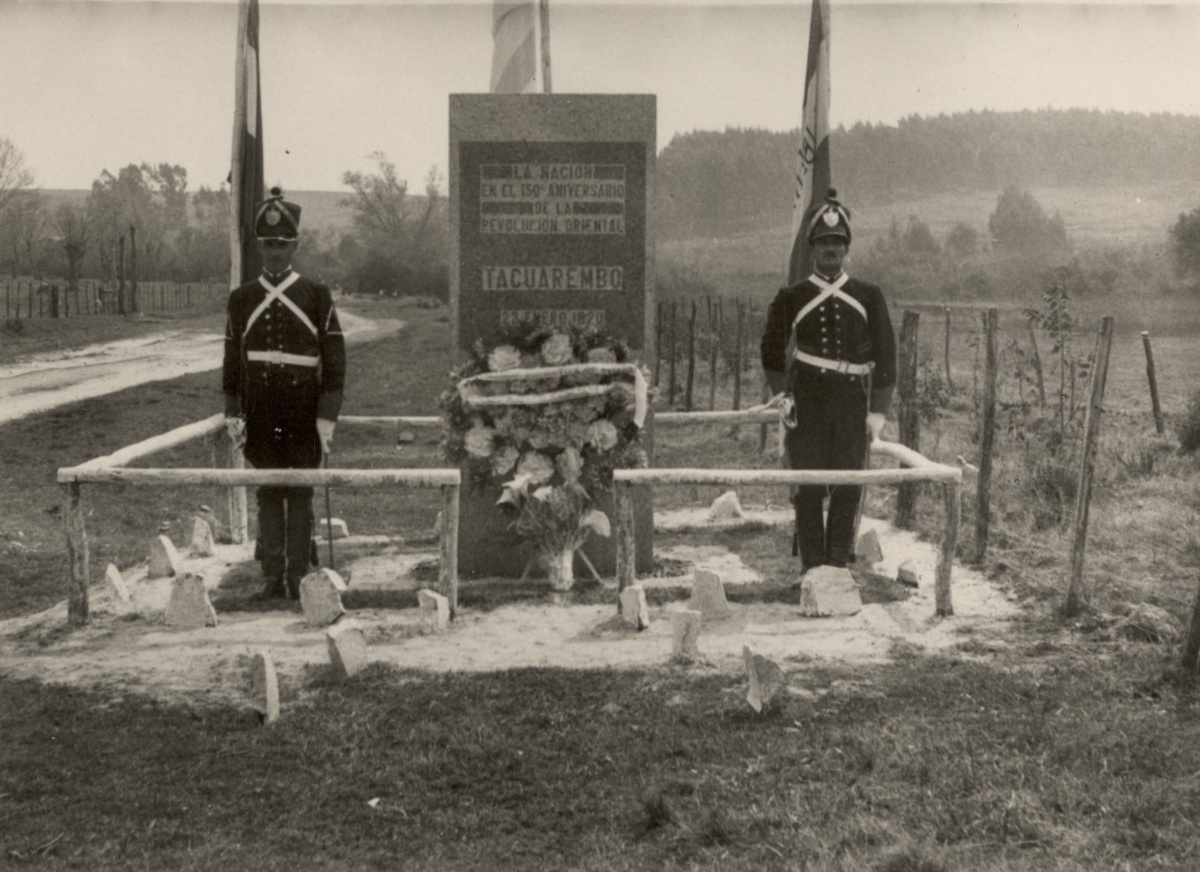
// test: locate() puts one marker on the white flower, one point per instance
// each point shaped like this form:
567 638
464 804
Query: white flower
535 465
569 464
504 357
603 434
556 350
480 441
504 460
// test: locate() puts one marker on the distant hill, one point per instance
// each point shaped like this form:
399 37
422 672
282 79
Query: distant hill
717 183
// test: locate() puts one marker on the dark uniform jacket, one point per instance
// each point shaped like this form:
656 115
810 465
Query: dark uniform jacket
834 330
285 366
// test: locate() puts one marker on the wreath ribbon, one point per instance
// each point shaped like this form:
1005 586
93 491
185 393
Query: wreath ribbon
468 390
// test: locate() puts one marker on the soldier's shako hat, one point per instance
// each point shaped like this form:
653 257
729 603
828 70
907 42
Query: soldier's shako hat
276 218
830 218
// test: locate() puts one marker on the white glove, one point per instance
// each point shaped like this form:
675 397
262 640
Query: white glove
875 422
325 431
236 429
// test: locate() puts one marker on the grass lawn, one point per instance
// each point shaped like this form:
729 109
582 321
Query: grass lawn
1067 748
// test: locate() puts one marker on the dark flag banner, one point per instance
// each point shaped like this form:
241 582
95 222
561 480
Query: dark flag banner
521 43
246 178
812 157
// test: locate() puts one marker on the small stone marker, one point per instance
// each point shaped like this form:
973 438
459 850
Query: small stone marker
868 551
347 647
405 437
189 607
202 538
829 591
325 525
321 597
163 559
766 679
116 584
726 507
907 574
266 686
708 596
633 607
435 609
685 630
209 517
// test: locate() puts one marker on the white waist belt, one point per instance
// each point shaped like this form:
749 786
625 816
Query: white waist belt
834 365
279 357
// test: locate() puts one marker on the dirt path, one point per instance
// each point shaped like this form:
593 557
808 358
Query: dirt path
46 381
127 647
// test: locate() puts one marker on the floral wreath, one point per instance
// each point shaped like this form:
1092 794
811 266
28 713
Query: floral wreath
547 414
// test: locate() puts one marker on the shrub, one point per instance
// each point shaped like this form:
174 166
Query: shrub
1189 426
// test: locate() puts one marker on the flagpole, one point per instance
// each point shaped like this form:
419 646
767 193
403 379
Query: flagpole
239 132
812 174
544 22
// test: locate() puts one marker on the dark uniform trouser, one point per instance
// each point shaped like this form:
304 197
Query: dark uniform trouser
281 433
285 523
831 434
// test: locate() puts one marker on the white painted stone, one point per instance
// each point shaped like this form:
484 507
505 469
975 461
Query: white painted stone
189 607
163 559
868 551
829 591
766 679
202 538
321 597
435 609
726 507
685 631
634 610
265 686
708 596
908 575
112 577
347 645
324 525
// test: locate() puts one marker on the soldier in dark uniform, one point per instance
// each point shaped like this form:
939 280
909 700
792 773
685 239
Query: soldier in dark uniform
830 349
285 364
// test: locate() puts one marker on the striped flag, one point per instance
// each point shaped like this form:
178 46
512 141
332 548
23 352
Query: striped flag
521 52
812 157
246 178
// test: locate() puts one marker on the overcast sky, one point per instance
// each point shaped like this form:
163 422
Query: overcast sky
89 85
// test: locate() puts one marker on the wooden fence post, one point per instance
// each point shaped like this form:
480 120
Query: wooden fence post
448 565
77 554
908 417
691 368
658 328
714 345
952 502
674 349
737 356
626 544
234 498
1158 419
1087 468
1037 367
949 382
987 435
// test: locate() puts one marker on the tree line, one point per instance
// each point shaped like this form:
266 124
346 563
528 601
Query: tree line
142 222
716 182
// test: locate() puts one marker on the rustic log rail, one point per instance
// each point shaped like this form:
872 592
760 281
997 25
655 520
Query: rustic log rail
113 469
918 469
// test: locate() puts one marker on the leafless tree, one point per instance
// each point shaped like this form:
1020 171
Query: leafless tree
72 225
15 177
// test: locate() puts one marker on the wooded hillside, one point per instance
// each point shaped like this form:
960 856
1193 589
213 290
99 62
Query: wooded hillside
720 182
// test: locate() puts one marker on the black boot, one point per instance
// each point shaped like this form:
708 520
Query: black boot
272 589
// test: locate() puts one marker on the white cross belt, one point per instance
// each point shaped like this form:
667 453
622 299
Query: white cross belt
276 292
280 357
